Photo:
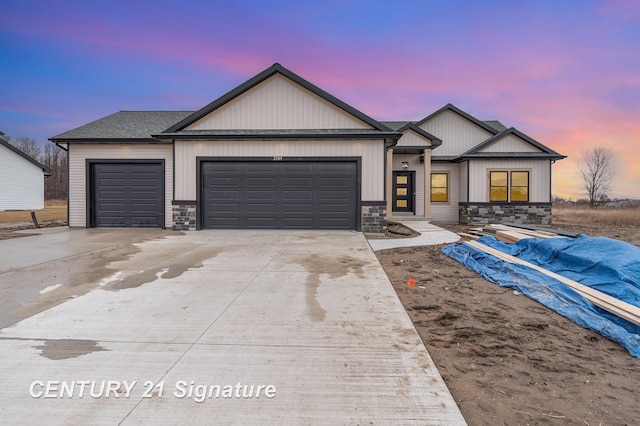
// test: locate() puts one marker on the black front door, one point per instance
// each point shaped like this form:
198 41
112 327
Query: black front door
403 191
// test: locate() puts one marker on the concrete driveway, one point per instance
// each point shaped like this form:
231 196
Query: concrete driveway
210 327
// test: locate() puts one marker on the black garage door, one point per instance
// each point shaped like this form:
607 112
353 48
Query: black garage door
127 195
280 194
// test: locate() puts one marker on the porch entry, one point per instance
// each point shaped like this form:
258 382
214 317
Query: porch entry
403 191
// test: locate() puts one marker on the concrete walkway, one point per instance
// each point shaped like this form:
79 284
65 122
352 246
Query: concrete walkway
207 327
429 235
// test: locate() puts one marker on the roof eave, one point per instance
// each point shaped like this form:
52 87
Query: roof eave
149 140
277 136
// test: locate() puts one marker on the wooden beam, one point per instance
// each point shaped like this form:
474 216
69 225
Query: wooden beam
611 304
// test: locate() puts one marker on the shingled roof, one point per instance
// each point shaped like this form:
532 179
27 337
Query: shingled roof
124 125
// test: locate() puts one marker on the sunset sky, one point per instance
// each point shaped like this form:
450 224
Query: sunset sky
566 73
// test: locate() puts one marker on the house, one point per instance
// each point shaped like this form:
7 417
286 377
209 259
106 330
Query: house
22 179
279 152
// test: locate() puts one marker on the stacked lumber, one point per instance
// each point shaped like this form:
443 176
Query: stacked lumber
611 304
513 233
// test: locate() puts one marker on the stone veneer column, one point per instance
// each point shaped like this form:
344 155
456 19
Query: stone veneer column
184 215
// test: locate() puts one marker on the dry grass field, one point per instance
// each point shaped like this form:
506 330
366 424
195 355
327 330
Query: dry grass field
53 210
563 215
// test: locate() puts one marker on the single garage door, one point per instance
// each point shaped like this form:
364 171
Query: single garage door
127 195
279 194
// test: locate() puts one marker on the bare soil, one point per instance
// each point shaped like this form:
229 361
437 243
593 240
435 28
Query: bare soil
506 359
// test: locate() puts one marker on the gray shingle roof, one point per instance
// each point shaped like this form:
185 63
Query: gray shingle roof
139 125
496 125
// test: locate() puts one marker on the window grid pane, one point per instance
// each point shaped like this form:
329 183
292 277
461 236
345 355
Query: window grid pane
439 187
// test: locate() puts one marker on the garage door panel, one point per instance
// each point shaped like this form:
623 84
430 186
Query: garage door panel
261 208
297 182
260 167
297 195
127 194
224 195
223 182
260 182
296 167
304 208
225 209
287 194
260 195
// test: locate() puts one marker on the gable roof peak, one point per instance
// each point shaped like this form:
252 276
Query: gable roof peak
264 75
463 114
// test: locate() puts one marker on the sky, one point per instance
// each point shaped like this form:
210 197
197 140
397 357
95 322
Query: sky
564 72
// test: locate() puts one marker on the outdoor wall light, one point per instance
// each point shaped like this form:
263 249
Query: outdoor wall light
405 165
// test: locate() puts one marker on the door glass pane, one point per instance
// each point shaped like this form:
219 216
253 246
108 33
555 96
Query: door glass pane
401 180
401 191
401 203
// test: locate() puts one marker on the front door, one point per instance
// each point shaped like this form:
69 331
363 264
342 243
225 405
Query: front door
403 191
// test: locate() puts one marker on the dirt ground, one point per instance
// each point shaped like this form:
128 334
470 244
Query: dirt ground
507 359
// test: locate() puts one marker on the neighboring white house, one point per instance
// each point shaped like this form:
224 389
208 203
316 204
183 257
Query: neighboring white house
279 152
21 179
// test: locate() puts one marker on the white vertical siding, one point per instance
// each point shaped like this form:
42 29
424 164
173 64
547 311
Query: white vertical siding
79 153
278 103
463 181
458 134
511 143
371 151
447 212
21 182
414 166
539 178
411 138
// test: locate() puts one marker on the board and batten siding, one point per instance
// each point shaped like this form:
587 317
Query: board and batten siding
79 153
511 143
371 152
411 138
539 178
21 182
447 212
278 103
458 134
463 181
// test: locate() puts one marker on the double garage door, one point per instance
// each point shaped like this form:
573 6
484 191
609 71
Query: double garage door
234 194
126 194
279 194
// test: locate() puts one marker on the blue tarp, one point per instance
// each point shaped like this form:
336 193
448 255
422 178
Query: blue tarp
610 266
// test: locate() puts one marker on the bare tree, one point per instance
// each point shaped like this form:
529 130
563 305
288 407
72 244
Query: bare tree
55 186
597 173
28 146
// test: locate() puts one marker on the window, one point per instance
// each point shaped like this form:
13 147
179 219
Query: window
439 187
509 186
520 186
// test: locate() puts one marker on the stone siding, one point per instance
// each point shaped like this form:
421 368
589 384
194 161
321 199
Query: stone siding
374 217
525 213
184 216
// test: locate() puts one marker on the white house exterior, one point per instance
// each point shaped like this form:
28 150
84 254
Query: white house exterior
21 180
279 152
